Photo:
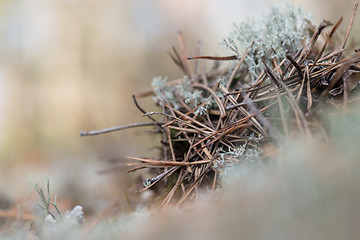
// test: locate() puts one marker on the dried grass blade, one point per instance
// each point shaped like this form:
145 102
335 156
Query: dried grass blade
330 55
348 30
282 112
307 49
308 90
169 196
202 68
184 56
254 110
301 88
237 67
297 115
168 163
170 144
197 63
291 98
177 60
214 181
184 129
345 93
326 42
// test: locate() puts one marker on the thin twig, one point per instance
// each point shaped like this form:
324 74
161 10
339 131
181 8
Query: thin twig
118 128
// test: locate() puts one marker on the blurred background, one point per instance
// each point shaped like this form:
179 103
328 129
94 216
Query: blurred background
72 65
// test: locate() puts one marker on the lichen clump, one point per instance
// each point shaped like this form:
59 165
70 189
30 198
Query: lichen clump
183 91
270 37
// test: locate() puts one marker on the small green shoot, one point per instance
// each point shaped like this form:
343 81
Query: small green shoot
46 202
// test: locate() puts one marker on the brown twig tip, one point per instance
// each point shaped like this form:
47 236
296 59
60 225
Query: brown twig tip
321 27
296 65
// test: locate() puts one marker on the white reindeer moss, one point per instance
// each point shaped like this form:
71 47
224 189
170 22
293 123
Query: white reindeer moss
278 32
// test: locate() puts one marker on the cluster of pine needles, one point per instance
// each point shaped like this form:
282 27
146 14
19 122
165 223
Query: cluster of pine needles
285 99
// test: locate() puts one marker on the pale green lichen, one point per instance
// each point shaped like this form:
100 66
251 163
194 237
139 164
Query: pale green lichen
240 154
194 98
162 92
278 32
